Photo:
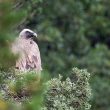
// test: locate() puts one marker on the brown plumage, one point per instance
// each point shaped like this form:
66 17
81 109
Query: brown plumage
28 52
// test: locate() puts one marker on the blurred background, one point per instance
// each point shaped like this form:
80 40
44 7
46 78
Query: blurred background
71 33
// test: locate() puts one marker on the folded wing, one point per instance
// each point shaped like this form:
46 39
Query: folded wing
28 55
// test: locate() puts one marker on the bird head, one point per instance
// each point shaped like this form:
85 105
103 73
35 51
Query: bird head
28 34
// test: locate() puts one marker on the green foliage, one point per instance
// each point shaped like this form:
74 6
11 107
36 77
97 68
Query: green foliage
100 85
14 88
70 33
97 61
8 20
72 94
22 91
25 92
75 33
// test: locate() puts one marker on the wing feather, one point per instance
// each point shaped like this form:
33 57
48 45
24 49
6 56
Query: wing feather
29 55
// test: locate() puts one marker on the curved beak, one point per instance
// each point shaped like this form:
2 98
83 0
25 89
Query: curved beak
35 37
34 34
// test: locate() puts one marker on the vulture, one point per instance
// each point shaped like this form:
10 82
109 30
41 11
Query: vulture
28 51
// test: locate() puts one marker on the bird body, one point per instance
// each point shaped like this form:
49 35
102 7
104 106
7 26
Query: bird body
28 52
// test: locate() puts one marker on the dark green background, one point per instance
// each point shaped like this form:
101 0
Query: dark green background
73 33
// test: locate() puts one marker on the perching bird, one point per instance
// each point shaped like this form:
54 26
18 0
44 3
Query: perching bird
28 52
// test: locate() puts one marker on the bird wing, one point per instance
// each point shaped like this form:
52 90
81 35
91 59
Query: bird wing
33 60
29 55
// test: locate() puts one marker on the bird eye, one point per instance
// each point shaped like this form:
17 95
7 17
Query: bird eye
28 34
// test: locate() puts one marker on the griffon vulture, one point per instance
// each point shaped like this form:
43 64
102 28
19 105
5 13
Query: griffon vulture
27 50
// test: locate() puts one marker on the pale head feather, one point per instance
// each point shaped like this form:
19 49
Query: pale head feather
23 32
